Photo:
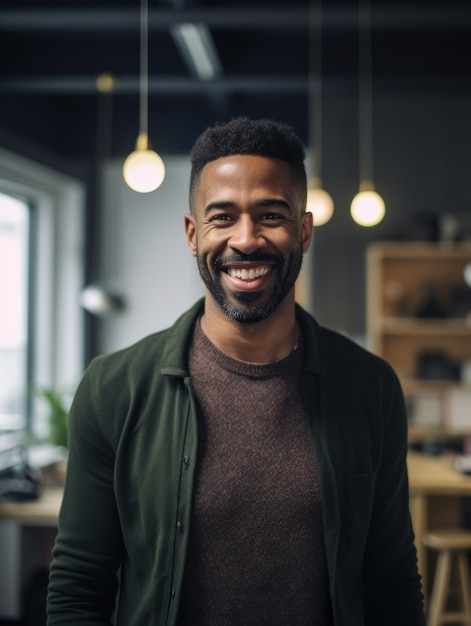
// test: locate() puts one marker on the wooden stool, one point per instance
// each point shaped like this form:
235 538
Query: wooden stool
447 543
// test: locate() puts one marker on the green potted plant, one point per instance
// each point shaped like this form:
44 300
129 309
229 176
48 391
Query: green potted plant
57 416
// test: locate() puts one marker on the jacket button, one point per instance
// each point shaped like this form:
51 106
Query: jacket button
179 523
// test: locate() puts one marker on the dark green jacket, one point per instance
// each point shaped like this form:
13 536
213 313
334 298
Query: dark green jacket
133 447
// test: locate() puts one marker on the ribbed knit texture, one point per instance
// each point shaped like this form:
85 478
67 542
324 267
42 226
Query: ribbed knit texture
255 554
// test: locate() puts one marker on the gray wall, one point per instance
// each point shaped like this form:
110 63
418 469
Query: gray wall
145 256
422 165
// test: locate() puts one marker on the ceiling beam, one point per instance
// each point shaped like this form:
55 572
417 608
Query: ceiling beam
253 85
119 20
60 85
403 17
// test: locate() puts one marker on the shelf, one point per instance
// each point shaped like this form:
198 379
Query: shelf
422 327
421 251
419 434
402 279
416 386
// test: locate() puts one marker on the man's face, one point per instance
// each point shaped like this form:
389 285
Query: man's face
248 233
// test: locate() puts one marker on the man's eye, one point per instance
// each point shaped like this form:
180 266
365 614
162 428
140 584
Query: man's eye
221 217
272 216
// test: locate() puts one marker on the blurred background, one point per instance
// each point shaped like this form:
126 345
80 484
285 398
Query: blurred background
378 90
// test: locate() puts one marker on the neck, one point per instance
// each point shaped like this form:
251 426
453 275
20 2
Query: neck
261 342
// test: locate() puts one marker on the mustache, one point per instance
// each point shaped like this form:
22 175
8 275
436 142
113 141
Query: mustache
240 257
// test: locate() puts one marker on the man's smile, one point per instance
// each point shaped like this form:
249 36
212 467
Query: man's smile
248 274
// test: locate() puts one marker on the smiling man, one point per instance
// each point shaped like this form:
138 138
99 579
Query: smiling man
246 467
249 229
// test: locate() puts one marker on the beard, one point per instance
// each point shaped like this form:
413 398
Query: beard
242 306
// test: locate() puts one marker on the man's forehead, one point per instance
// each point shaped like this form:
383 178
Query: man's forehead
230 162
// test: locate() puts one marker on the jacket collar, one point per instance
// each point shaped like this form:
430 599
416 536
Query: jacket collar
175 357
311 332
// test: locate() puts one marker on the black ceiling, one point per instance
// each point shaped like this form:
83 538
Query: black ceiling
52 53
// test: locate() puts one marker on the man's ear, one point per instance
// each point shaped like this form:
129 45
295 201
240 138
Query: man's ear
190 232
307 227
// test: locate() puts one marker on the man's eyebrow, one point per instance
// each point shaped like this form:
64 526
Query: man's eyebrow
218 204
274 202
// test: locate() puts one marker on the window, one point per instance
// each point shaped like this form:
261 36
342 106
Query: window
14 288
41 276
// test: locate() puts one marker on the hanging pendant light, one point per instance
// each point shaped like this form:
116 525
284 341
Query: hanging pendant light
98 296
144 169
367 208
319 202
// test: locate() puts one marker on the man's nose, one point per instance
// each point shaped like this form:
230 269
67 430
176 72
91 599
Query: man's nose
247 235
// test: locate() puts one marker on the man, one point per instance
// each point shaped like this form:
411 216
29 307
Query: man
246 466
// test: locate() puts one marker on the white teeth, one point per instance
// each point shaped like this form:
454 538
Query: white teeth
245 274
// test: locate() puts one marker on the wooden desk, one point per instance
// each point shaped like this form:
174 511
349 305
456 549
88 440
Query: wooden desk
436 491
45 510
27 533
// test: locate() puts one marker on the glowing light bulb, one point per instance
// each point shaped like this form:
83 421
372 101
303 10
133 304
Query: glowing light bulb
143 169
319 202
367 208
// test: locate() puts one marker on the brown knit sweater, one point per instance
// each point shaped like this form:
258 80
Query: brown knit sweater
255 554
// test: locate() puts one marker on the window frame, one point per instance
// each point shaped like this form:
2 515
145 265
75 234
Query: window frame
57 205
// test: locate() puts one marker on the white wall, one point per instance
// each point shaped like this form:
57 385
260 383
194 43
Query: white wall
145 256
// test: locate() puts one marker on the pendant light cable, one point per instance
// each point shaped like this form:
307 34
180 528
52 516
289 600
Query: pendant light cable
315 86
319 202
365 66
144 69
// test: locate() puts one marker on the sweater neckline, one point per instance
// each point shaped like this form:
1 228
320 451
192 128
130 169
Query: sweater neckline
246 368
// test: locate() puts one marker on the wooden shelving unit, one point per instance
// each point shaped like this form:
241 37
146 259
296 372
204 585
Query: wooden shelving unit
419 320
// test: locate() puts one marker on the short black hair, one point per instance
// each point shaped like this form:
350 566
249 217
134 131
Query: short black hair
242 135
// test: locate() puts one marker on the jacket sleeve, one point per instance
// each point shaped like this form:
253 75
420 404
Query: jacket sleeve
391 582
86 557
